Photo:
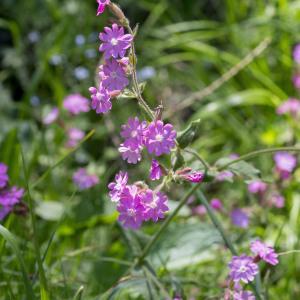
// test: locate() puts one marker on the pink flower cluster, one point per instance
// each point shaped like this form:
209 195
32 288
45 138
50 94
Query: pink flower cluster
83 180
113 73
76 103
157 137
136 204
290 106
244 268
9 196
285 164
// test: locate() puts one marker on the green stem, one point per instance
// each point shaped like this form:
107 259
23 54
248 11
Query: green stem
43 281
153 240
221 230
195 153
257 153
50 169
135 82
216 222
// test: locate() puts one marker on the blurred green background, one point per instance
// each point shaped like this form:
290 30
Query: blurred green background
49 49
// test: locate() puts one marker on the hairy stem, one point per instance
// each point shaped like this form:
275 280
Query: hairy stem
257 153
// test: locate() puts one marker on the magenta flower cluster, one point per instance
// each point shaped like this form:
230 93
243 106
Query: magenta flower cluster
244 268
113 73
76 104
158 138
136 204
83 180
9 196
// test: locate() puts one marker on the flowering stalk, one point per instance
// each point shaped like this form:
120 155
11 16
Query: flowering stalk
257 153
221 230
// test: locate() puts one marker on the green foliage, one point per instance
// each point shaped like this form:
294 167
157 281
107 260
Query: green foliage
190 44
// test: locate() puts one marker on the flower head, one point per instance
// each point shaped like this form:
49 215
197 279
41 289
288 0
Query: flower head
155 204
3 176
83 180
199 210
239 218
291 106
243 295
133 131
296 81
114 42
155 170
285 164
257 187
160 138
117 187
131 152
76 104
11 196
51 116
224 175
113 76
266 253
130 208
100 100
216 204
276 200
75 135
296 53
242 268
194 177
101 6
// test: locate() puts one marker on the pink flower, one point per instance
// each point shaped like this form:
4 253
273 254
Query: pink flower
296 81
133 131
115 42
51 116
4 211
243 295
194 176
11 196
131 152
75 135
285 164
225 175
296 53
160 138
264 252
291 106
100 100
257 187
199 210
117 187
239 218
216 204
75 104
113 76
242 268
83 180
130 208
277 200
155 204
101 6
155 170
3 175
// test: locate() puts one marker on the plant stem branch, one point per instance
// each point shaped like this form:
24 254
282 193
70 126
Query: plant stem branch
257 153
221 230
195 153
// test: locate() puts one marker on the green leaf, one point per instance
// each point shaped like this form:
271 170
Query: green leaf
50 210
184 244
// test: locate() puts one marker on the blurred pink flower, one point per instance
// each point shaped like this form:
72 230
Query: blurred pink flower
239 218
75 104
75 135
257 187
51 117
83 180
266 253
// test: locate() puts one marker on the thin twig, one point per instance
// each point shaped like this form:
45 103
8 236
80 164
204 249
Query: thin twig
221 80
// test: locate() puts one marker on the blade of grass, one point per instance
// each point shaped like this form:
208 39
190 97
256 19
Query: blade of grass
78 295
64 157
13 243
43 282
